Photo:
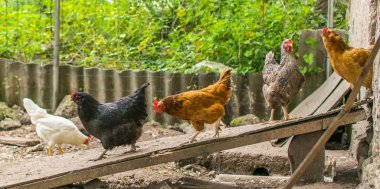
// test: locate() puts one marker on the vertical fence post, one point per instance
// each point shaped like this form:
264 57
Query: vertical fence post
330 24
56 53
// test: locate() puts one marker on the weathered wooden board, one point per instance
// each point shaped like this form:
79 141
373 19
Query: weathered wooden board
55 171
337 95
321 100
18 141
313 101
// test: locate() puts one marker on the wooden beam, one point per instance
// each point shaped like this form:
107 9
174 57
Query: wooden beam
48 172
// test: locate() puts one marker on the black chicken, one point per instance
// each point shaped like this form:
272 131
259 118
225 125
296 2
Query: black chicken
114 124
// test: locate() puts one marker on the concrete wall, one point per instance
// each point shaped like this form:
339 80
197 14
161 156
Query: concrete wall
364 29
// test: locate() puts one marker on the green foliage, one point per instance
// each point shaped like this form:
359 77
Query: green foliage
310 67
169 35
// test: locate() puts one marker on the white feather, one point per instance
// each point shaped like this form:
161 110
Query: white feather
53 129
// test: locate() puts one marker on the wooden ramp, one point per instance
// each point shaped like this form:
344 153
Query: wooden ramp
324 98
56 171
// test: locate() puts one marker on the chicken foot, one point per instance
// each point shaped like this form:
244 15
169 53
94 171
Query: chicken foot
60 149
133 149
101 156
192 138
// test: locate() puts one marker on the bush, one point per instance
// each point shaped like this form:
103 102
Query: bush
166 35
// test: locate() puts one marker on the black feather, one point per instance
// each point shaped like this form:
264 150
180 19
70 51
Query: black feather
116 123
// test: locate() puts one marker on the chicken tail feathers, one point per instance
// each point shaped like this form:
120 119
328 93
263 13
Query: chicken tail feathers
141 91
143 87
29 105
225 74
225 77
34 110
269 58
138 106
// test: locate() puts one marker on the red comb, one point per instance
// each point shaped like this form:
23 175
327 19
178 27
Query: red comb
73 93
289 40
155 103
325 30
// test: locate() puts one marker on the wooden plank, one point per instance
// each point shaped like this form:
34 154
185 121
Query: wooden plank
334 98
321 100
55 171
18 141
313 101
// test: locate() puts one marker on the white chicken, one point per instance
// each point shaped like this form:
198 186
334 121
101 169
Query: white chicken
52 129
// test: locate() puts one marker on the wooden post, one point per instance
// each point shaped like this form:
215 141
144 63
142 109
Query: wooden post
56 53
299 146
330 24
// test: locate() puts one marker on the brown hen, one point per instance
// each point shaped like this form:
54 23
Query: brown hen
200 106
347 62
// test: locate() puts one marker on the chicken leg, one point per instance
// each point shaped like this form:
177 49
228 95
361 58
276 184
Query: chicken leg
368 93
192 138
60 149
198 126
285 110
217 127
133 148
271 115
50 151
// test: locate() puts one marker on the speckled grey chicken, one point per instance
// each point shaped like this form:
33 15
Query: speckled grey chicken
281 81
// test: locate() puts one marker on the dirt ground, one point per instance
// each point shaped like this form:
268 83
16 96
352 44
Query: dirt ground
346 165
